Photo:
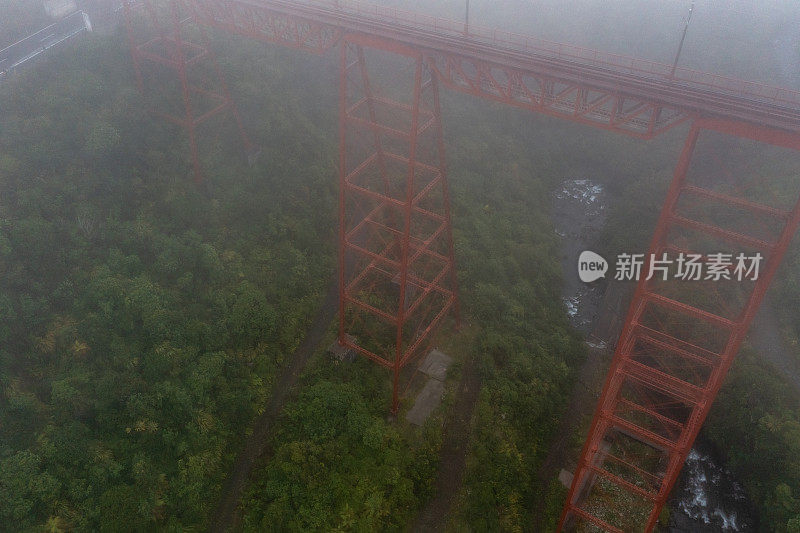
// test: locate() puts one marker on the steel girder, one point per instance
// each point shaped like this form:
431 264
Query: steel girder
631 96
616 92
548 94
264 24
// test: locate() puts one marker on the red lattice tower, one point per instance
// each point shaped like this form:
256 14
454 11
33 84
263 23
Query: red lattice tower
397 271
175 48
680 337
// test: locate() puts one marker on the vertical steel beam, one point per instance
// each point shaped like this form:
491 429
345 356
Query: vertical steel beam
405 242
179 57
437 110
132 44
343 75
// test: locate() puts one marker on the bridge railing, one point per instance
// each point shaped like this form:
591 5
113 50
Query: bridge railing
515 42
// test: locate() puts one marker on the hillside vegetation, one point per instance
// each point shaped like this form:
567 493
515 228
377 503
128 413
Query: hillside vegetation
143 320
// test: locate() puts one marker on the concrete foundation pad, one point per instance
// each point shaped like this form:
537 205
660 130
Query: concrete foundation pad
565 477
427 400
343 353
435 365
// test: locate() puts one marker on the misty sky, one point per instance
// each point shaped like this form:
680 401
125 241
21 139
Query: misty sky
750 39
753 39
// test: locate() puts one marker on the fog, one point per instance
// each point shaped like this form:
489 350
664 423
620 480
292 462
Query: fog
754 40
161 341
758 40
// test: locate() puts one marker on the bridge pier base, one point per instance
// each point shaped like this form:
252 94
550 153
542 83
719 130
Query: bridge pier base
396 262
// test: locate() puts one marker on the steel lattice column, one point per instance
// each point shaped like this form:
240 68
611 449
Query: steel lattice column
202 98
397 269
680 337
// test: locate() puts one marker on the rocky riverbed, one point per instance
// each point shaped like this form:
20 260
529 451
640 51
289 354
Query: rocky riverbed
707 497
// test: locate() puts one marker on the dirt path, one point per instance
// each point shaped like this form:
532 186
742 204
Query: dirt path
226 515
452 458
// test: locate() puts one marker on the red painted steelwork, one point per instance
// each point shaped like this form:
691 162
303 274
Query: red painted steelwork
170 48
397 268
265 24
677 344
549 77
396 264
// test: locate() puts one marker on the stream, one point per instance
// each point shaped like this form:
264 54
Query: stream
579 211
707 497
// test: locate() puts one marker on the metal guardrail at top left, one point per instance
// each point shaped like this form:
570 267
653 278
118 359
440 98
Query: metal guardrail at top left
39 42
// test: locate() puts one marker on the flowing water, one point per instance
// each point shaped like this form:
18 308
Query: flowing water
579 211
